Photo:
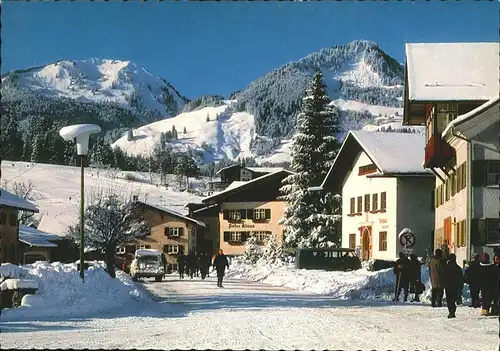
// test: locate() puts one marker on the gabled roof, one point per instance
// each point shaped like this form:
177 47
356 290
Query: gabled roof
8 199
492 105
394 154
253 169
452 71
172 213
37 238
240 186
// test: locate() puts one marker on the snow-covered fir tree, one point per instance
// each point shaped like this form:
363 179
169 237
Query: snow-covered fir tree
253 252
309 216
110 221
273 251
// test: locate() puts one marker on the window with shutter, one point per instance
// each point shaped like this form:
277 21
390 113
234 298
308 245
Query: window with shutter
374 202
383 200
436 197
353 206
453 184
268 213
243 214
493 233
382 241
367 202
165 248
360 204
459 178
493 176
165 231
249 214
479 176
464 175
227 236
478 232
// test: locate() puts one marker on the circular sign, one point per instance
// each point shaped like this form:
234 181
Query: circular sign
407 239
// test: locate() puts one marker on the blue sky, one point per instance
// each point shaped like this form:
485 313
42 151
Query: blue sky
217 48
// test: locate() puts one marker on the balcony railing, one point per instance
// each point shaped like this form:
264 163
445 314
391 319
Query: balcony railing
438 152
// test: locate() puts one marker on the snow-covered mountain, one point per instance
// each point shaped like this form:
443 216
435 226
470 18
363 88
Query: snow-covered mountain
99 81
364 83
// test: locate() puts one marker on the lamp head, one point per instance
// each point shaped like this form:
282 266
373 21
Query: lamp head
80 132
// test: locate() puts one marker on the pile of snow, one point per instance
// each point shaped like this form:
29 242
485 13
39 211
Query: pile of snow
360 284
61 292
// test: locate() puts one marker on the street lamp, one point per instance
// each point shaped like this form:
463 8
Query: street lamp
80 132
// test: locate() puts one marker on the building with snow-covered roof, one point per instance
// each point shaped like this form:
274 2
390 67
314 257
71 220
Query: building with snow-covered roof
37 245
239 173
10 205
467 191
171 233
450 85
244 208
384 190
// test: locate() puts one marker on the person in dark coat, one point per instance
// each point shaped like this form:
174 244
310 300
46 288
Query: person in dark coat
453 282
415 277
436 266
402 270
489 285
181 264
473 279
164 261
220 264
204 264
192 261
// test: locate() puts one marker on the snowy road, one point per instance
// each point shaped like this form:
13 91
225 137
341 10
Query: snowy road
253 316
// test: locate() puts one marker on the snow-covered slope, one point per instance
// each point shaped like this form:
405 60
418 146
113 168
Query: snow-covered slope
99 80
57 190
224 136
232 135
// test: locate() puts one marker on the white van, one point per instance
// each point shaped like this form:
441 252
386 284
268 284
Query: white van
147 263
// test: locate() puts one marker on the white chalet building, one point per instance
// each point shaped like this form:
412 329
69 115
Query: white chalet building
384 190
453 90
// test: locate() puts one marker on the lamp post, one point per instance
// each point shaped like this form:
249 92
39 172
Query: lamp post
80 133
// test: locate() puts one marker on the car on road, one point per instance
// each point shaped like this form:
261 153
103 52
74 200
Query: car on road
147 263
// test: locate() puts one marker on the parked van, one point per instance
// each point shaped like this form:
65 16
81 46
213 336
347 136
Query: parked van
147 263
329 259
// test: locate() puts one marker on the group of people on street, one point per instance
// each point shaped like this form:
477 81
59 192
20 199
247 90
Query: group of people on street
482 276
446 276
194 265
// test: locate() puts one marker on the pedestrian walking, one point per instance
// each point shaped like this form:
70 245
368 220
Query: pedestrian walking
191 263
489 286
453 283
436 266
402 276
220 263
473 279
181 264
204 264
415 275
164 261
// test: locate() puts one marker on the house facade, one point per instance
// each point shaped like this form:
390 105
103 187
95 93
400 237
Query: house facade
384 190
10 205
247 208
171 233
37 245
451 89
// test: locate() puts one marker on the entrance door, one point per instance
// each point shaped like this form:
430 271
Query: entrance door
366 243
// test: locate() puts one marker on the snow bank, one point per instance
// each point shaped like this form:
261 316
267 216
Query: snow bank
359 284
62 293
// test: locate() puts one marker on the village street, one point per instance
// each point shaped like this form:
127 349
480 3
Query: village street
196 314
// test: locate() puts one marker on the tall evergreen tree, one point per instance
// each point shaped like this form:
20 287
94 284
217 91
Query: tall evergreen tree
309 216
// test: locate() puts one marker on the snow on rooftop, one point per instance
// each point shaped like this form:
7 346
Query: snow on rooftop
394 152
36 238
174 213
10 200
265 169
462 118
452 71
240 184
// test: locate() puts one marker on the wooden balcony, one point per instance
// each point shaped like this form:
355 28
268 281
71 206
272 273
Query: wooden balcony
438 152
